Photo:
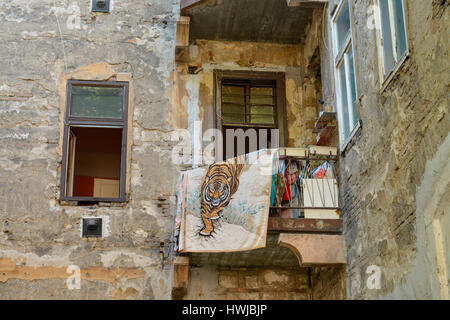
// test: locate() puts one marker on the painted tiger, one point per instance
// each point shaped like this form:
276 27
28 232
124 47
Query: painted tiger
219 185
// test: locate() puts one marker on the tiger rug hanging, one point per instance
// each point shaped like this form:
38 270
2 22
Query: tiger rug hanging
220 184
224 207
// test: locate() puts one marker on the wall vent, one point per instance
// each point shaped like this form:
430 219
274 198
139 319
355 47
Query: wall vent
92 227
100 5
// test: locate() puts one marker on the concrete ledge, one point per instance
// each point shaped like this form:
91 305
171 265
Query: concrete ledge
315 249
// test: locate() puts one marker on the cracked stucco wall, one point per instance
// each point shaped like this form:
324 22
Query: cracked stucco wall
43 43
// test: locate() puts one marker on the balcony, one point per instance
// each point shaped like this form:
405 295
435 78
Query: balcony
306 193
304 225
304 214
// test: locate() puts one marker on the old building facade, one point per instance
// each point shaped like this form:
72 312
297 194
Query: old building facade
368 80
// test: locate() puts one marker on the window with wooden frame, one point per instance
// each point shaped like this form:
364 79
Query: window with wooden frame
345 76
250 100
95 141
392 38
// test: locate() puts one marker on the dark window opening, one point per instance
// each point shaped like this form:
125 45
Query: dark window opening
96 157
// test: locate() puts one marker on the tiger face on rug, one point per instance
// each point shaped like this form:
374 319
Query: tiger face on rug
219 185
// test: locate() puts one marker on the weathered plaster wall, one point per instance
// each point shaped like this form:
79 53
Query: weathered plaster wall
394 176
41 46
197 90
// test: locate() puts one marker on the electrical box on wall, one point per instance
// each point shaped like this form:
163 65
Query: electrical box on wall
92 227
100 5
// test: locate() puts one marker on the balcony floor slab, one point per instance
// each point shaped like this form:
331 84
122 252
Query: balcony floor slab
315 249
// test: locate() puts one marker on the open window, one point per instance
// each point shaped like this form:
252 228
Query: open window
95 142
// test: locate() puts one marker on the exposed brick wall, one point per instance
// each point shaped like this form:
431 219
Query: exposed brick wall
329 283
267 283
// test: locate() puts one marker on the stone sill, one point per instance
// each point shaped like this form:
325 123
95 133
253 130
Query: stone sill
94 205
347 145
389 79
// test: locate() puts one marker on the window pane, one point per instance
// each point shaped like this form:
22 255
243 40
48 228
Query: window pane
352 74
262 114
262 110
232 94
261 96
386 31
352 89
344 102
399 28
233 114
97 102
343 26
262 105
262 119
233 104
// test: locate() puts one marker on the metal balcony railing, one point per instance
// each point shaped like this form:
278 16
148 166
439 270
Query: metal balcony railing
305 192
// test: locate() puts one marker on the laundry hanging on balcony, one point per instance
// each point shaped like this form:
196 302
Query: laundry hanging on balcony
225 207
